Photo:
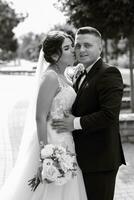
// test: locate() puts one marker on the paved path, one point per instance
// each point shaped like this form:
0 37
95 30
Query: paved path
125 180
14 100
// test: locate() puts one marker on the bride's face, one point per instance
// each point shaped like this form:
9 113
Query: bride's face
67 58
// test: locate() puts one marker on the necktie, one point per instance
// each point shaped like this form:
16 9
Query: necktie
81 78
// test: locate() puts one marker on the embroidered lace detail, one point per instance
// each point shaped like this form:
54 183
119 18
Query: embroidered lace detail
62 101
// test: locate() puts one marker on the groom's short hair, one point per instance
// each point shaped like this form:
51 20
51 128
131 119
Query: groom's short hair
88 30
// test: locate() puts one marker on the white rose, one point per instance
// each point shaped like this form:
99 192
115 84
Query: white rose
47 163
60 150
47 151
50 173
79 68
67 161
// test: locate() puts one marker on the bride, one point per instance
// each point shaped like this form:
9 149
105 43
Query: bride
53 97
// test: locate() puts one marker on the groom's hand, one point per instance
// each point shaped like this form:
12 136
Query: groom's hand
64 125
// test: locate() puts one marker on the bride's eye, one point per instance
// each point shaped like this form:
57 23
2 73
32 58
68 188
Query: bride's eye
66 48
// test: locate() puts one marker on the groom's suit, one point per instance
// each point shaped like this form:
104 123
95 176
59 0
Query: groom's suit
98 144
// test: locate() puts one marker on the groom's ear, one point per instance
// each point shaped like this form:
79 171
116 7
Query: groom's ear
100 49
101 46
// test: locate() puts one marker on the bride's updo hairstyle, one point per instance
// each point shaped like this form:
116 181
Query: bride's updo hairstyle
53 45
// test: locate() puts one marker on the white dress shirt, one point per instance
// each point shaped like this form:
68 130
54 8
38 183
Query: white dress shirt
76 122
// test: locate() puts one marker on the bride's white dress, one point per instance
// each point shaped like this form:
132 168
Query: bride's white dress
16 187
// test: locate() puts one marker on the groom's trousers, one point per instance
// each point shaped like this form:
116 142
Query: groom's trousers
100 185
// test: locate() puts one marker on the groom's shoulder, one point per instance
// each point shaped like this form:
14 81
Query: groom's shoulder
108 67
108 71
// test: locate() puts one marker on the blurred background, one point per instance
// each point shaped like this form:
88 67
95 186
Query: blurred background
24 25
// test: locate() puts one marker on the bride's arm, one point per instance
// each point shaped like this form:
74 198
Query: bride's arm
45 97
46 94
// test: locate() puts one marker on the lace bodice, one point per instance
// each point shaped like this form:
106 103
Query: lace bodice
63 100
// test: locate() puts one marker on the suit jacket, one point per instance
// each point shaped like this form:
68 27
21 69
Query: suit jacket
98 144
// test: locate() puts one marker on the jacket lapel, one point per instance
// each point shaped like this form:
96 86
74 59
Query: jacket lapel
89 76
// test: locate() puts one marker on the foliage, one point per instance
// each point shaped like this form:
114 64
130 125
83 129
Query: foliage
30 45
8 21
111 18
68 28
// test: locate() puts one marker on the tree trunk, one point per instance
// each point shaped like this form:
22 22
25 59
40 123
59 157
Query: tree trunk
131 72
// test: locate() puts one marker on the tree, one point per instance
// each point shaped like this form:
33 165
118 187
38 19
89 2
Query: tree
30 45
8 21
114 19
70 29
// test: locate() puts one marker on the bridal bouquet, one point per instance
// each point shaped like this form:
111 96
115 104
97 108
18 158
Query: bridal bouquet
58 165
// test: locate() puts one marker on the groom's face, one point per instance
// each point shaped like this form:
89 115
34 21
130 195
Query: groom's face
88 48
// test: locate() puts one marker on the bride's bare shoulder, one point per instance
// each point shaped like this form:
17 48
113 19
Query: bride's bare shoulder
49 81
50 75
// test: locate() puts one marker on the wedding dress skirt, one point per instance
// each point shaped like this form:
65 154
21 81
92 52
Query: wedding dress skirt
16 187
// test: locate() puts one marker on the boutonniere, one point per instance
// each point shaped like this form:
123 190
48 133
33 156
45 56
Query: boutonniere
79 69
72 73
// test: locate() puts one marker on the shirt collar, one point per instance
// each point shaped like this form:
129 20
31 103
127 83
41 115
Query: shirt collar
89 67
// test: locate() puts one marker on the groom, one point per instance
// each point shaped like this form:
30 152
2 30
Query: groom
95 117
